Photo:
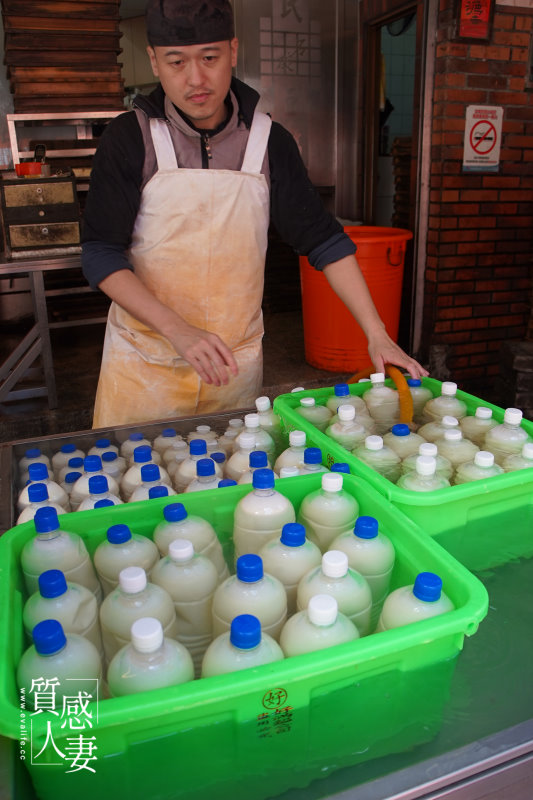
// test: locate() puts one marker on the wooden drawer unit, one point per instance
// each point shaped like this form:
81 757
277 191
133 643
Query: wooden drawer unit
40 214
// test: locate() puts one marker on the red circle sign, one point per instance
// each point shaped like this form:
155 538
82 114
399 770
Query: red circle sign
483 137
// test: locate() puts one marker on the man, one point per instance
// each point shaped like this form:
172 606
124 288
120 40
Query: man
175 230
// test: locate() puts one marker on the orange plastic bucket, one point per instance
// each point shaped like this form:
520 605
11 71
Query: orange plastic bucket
333 339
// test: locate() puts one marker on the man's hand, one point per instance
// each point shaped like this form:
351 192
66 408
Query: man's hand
382 350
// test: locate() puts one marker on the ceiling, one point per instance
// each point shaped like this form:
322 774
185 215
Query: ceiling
132 8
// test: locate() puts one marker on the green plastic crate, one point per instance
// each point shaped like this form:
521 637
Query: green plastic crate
457 516
259 732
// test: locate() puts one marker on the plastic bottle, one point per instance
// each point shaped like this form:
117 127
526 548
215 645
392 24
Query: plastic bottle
39 474
523 460
61 457
98 490
293 456
445 405
38 498
134 598
328 511
341 396
150 478
150 661
174 455
101 446
134 440
73 465
477 426
239 461
372 555
53 548
32 455
70 659
165 440
379 457
269 421
202 432
289 558
186 471
481 467
113 465
348 587
421 395
457 449
191 581
382 402
260 515
403 441
253 591
312 462
508 438
424 477
242 647
132 478
68 482
177 524
433 431
92 465
263 439
420 601
347 431
319 626
206 476
443 466
72 604
289 472
120 549
227 441
319 416
258 460
219 457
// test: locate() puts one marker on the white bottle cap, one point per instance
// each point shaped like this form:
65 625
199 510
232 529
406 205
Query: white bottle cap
246 440
527 450
449 422
308 402
332 481
426 466
262 403
289 472
484 459
251 420
364 380
346 412
334 564
236 423
513 416
298 389
297 438
178 444
377 377
322 609
449 389
428 449
203 428
147 634
181 550
482 412
132 579
453 436
374 442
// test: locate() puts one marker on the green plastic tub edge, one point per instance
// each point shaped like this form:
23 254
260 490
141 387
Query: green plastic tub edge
271 728
466 519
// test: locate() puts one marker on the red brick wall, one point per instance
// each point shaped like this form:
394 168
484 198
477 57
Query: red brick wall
477 291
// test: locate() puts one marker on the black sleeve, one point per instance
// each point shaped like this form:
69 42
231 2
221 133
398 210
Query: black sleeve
113 199
296 208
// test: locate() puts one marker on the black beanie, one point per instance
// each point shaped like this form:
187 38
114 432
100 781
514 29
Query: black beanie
186 22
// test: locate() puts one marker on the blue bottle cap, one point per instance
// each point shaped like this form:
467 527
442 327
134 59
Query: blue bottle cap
136 437
98 484
341 389
226 482
72 477
263 479
245 632
249 568
293 534
46 520
197 447
49 637
32 452
205 467
312 455
341 466
92 463
142 454
109 456
400 429
414 382
366 527
219 458
175 512
157 491
150 472
105 503
118 534
76 462
68 448
52 583
258 459
38 472
168 433
102 443
37 492
428 587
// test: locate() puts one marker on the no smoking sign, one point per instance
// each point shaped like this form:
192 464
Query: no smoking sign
483 136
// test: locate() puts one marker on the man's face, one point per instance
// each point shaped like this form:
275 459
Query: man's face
196 78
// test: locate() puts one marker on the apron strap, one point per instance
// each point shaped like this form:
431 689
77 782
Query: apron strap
163 146
257 143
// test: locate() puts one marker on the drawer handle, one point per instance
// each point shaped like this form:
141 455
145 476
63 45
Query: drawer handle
44 231
39 189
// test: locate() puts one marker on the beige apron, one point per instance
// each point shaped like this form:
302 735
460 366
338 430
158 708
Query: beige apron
199 245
